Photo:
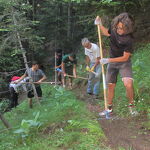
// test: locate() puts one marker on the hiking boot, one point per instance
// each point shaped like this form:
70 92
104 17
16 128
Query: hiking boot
105 112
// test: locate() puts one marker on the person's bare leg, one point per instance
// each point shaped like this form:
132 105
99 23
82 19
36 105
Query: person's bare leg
70 83
64 81
128 83
110 94
30 103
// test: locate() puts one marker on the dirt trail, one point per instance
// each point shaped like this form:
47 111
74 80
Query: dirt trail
127 133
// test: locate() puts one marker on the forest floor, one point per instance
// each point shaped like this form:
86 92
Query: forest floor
123 133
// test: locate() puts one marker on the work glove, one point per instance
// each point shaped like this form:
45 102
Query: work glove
92 69
98 21
59 70
104 61
97 75
88 68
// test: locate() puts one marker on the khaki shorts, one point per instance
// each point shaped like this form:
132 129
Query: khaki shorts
124 68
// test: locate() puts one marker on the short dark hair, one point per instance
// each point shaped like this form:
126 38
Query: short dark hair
73 55
35 63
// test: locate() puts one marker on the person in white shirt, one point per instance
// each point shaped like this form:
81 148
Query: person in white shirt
16 89
92 53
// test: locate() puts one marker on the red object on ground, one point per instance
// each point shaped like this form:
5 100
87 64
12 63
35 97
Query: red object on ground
15 78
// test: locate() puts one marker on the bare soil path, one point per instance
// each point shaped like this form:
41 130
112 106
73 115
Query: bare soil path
128 133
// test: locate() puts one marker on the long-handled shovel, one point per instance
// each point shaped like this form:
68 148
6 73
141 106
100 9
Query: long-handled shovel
71 75
103 71
55 71
77 77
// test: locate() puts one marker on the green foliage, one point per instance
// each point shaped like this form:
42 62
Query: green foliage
4 105
27 129
63 120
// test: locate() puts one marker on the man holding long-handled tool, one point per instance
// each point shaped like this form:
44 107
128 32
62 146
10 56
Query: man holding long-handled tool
37 76
120 34
69 63
93 66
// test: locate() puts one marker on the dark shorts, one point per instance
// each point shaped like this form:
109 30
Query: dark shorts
38 90
124 68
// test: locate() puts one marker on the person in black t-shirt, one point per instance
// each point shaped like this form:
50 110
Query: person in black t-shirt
120 34
58 63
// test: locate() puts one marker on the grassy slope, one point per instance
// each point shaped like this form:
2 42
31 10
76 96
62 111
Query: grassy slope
66 124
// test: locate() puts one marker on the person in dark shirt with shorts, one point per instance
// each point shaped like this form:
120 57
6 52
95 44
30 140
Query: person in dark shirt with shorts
121 41
37 76
69 63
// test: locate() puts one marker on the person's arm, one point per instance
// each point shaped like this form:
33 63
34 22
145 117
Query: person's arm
104 30
42 79
87 60
21 78
97 50
63 68
97 62
58 66
125 57
75 70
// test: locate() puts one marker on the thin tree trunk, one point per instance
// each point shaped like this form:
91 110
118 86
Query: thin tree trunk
69 20
24 56
5 122
55 71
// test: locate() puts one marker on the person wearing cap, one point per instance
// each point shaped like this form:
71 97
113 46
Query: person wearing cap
92 54
69 63
37 76
16 89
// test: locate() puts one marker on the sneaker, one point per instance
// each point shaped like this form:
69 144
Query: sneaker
133 111
105 112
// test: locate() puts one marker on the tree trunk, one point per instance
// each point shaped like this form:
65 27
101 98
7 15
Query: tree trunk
5 122
69 20
24 56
